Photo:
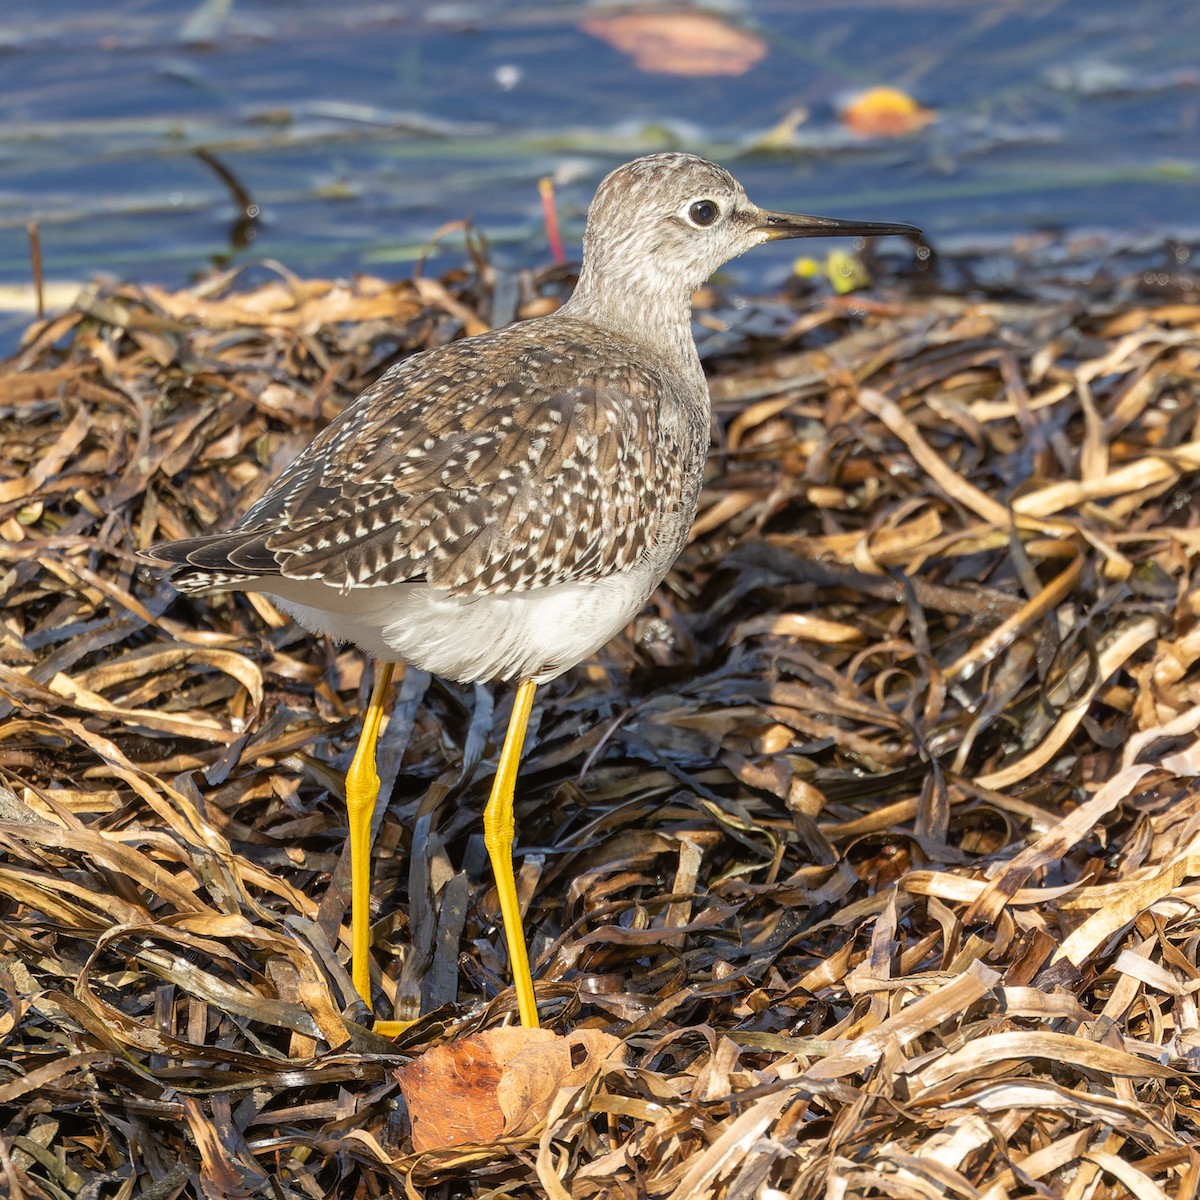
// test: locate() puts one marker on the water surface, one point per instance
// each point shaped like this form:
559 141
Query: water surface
360 129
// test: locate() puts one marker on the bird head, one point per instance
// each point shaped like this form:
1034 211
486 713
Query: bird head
664 223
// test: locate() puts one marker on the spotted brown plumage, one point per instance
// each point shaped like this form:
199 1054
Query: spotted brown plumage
557 467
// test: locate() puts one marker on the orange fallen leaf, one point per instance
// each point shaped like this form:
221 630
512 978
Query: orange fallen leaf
497 1083
885 112
679 43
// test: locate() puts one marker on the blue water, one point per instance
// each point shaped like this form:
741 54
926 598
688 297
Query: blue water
360 128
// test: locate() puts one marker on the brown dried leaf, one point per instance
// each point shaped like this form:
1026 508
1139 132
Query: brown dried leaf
679 42
498 1083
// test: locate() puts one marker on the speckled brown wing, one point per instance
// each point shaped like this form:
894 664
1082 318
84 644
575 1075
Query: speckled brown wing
491 465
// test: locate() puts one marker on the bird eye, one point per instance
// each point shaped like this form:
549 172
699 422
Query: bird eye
703 212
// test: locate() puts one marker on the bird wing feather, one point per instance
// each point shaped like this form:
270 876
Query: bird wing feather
471 478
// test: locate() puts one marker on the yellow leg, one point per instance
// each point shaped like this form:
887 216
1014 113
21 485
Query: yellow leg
362 790
498 827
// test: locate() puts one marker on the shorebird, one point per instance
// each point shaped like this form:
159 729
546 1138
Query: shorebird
499 508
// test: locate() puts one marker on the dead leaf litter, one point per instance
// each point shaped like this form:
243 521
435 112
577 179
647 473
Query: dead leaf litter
865 863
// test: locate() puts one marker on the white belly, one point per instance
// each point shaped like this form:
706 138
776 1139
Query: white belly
535 635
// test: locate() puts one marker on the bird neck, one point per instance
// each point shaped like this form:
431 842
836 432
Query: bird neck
639 303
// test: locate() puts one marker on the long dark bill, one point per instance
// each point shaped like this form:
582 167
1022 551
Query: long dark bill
778 225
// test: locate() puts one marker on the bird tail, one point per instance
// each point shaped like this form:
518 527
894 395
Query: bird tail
214 561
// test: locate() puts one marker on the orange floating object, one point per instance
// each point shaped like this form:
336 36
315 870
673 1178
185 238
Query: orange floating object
886 112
